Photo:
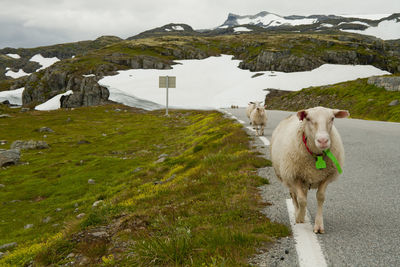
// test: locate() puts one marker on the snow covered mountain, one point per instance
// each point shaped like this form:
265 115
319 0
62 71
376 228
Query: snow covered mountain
384 26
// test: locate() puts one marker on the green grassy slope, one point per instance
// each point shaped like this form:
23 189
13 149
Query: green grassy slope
363 100
198 206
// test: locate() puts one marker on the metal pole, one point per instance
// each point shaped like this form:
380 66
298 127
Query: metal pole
166 111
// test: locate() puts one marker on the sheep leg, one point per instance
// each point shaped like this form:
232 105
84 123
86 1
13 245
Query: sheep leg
319 221
301 193
262 129
256 127
294 201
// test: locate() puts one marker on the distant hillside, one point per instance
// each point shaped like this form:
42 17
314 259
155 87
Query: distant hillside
386 27
19 58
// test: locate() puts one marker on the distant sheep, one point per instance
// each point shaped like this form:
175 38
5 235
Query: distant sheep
251 106
301 144
258 118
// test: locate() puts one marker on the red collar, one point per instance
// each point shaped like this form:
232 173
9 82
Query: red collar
309 151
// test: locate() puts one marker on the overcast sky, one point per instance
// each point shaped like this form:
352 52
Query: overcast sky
31 23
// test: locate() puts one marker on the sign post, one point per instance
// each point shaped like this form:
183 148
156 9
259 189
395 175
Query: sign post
167 82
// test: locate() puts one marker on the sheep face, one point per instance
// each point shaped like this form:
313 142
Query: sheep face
318 123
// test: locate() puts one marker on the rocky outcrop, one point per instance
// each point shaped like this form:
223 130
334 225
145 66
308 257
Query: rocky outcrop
44 85
138 62
87 92
391 83
281 61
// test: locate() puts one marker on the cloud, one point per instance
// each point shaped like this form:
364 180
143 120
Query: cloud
28 23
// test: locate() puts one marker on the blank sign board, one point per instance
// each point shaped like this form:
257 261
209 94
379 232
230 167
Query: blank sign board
162 81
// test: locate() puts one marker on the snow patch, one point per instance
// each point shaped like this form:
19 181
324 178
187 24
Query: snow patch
16 75
242 29
355 22
53 103
271 20
13 96
223 27
44 61
178 28
217 82
326 25
16 56
367 16
386 30
168 30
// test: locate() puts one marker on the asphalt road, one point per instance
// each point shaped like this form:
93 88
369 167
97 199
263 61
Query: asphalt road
362 208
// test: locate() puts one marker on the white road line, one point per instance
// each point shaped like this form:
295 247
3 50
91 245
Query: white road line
242 122
265 140
308 249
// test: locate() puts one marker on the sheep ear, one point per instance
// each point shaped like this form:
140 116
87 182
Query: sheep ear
302 114
341 113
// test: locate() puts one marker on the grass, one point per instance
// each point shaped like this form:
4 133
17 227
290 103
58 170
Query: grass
363 100
200 206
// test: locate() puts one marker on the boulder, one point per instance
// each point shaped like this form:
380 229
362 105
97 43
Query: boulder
9 157
390 83
394 103
8 246
29 144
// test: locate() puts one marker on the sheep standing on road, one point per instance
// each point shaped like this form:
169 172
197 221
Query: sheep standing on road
258 118
251 106
307 152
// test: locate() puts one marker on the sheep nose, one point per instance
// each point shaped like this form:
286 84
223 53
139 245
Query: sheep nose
323 141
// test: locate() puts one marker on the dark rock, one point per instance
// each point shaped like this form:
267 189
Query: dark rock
394 103
45 129
282 258
286 251
257 75
81 142
5 102
29 144
8 245
9 157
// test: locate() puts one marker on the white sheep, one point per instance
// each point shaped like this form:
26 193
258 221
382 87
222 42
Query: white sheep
299 144
251 106
258 119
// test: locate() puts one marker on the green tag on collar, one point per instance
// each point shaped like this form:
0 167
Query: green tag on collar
320 163
334 160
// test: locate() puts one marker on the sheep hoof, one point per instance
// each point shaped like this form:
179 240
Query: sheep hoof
319 229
